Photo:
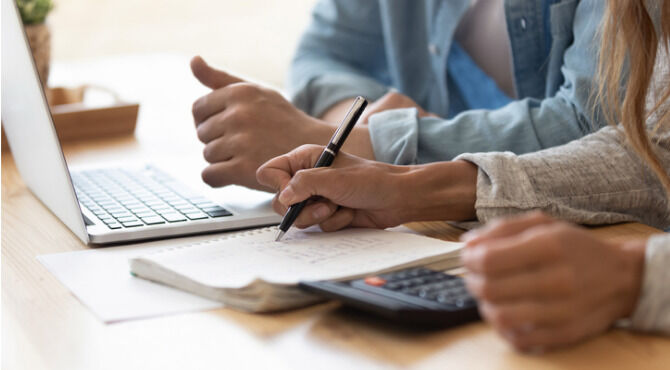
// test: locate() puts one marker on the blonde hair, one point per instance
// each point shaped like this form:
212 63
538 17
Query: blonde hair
629 46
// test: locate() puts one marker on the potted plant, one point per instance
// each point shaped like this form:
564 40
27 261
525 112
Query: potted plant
33 15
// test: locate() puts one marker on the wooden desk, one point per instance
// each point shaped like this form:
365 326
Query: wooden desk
45 327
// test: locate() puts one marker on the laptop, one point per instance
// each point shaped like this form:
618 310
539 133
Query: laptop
103 205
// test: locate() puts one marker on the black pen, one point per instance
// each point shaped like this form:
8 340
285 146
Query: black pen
326 158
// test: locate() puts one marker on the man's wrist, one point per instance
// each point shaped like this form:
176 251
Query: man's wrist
440 191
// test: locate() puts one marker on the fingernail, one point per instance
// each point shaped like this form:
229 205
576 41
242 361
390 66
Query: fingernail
321 211
287 195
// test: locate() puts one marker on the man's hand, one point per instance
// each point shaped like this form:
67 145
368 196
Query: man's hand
543 283
352 192
243 125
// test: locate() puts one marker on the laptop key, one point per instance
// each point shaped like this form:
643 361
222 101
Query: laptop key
146 214
114 225
173 217
121 214
219 213
153 220
213 209
127 219
132 224
196 216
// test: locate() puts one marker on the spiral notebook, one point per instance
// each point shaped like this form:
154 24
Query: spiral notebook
252 272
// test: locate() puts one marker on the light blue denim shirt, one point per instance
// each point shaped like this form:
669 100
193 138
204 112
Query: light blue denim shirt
364 47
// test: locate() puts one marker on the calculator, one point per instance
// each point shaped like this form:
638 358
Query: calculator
416 295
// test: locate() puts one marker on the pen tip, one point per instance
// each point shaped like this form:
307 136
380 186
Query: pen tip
280 234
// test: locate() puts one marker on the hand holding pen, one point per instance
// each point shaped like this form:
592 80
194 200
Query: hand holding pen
326 158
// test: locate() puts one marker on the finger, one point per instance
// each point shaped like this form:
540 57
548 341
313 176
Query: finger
552 282
211 128
524 316
555 336
315 213
209 105
211 77
276 172
505 227
221 173
221 149
339 220
277 206
529 249
307 183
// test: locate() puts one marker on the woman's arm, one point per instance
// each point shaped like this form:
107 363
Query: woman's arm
598 179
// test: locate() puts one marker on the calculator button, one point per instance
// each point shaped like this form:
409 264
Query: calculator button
375 281
392 286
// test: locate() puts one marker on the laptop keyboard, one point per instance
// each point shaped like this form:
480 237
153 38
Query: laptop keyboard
128 199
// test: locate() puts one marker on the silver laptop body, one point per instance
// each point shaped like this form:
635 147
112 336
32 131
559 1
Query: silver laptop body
87 211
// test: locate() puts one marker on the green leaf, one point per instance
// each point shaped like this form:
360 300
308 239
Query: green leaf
34 11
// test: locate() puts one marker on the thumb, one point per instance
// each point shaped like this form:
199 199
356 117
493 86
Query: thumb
211 77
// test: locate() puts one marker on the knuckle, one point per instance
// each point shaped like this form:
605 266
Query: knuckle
211 177
208 152
195 108
243 90
299 177
201 132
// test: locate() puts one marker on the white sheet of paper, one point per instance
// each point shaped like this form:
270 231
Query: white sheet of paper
100 278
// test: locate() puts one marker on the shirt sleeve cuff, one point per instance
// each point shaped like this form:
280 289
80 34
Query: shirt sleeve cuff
503 187
323 92
652 313
394 135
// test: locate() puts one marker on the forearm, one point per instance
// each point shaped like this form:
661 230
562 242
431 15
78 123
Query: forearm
402 137
337 111
439 191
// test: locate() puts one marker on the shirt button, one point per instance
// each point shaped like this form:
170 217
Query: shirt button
523 24
433 49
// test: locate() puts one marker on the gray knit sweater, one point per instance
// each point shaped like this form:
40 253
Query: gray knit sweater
594 180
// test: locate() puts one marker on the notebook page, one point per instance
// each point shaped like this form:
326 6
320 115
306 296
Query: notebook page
302 255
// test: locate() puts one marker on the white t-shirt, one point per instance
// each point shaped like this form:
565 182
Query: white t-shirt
483 34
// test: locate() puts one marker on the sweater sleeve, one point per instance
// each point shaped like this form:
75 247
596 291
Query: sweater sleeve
598 179
652 312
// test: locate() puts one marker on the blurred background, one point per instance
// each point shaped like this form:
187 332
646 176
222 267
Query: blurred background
253 37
